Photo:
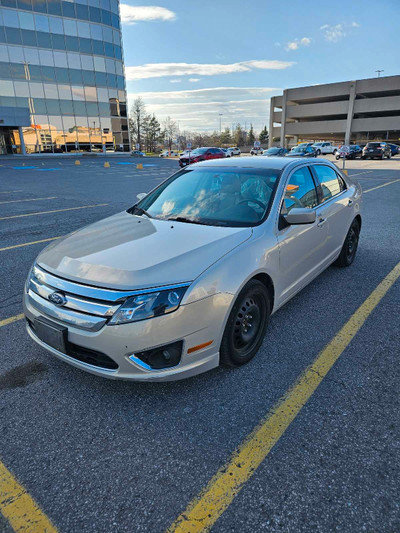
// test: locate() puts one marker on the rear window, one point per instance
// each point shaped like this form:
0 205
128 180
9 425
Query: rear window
373 145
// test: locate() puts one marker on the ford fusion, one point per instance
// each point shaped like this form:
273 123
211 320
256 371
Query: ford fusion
188 277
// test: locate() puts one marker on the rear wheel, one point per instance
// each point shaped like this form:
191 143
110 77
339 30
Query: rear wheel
350 245
246 326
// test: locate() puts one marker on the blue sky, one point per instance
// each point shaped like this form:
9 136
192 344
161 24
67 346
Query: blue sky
193 60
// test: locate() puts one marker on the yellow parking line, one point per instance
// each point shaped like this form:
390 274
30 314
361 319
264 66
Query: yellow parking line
7 321
28 243
20 509
28 200
379 186
53 211
215 498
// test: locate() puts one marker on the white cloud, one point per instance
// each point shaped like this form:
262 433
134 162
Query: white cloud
133 14
194 80
355 24
198 109
158 70
333 33
296 43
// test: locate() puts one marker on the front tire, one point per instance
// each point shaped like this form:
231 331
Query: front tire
350 245
246 325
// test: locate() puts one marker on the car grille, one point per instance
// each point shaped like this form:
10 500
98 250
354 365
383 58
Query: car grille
84 306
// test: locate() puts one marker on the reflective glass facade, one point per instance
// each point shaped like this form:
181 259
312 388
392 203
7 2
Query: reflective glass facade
63 60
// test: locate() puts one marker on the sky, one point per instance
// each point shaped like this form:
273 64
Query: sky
202 62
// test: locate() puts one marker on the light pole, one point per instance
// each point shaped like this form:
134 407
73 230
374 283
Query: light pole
220 129
379 72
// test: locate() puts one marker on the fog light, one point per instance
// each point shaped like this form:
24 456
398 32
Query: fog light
163 357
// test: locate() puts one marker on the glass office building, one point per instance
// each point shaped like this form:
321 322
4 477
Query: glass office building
62 85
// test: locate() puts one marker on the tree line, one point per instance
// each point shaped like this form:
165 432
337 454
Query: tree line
149 133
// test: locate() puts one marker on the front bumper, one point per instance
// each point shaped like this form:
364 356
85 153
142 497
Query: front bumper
194 324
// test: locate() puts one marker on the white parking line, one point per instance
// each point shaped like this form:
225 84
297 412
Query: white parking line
379 186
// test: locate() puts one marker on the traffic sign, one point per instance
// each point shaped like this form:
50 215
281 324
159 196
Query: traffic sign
189 146
257 144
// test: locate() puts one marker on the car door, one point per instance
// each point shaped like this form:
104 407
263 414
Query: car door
302 248
335 209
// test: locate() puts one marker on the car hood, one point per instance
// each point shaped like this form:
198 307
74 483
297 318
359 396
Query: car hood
128 252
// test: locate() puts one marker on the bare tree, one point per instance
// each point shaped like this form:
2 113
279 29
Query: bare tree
137 117
170 131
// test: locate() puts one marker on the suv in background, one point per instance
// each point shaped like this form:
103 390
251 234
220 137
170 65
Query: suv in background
256 151
201 154
376 150
234 150
325 148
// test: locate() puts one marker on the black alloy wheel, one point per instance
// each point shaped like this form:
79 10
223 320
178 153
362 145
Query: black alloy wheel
350 245
246 325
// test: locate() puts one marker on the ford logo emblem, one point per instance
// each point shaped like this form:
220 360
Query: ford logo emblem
57 299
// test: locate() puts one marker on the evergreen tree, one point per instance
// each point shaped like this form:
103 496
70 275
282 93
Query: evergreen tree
264 136
251 135
226 137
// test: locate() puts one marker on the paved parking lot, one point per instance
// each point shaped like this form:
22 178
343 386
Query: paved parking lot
101 456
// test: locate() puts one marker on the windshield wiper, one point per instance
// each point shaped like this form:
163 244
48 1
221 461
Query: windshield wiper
135 209
189 220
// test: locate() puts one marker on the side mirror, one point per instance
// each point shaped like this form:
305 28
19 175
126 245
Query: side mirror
300 215
141 195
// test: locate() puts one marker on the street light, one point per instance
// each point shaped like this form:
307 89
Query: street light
379 72
220 129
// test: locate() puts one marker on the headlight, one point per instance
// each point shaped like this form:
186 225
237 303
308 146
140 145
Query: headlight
149 305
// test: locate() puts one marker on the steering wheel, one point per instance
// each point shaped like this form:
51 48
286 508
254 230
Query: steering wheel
254 201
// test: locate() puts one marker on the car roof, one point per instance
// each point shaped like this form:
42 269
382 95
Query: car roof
277 163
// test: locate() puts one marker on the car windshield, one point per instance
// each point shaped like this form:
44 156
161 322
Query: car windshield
199 151
272 151
317 144
213 196
344 148
298 149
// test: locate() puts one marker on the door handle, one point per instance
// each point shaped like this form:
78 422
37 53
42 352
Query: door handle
321 222
350 202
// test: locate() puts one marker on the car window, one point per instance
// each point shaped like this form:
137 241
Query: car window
331 183
300 190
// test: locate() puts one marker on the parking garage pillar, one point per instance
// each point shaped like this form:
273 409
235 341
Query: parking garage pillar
350 111
283 122
21 138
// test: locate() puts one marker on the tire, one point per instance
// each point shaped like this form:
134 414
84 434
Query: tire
318 152
337 158
389 156
240 343
350 245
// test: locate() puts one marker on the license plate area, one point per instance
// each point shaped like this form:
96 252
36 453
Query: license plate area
52 334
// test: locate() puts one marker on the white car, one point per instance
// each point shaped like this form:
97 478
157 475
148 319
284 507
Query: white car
234 150
256 151
325 148
169 153
187 278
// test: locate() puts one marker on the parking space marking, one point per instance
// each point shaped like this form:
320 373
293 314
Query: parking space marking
28 243
20 509
10 320
379 186
359 173
216 497
53 211
28 200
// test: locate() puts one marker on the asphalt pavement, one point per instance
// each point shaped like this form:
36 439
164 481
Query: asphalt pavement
106 456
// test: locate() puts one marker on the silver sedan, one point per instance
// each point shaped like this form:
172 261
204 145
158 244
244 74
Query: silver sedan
188 277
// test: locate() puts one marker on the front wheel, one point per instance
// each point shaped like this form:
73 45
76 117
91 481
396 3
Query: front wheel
318 152
246 325
350 245
337 158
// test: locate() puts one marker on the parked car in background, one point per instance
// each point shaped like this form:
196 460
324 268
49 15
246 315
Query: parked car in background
376 150
169 153
201 154
325 148
275 151
394 148
226 152
349 151
234 150
302 151
256 151
186 279
137 153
